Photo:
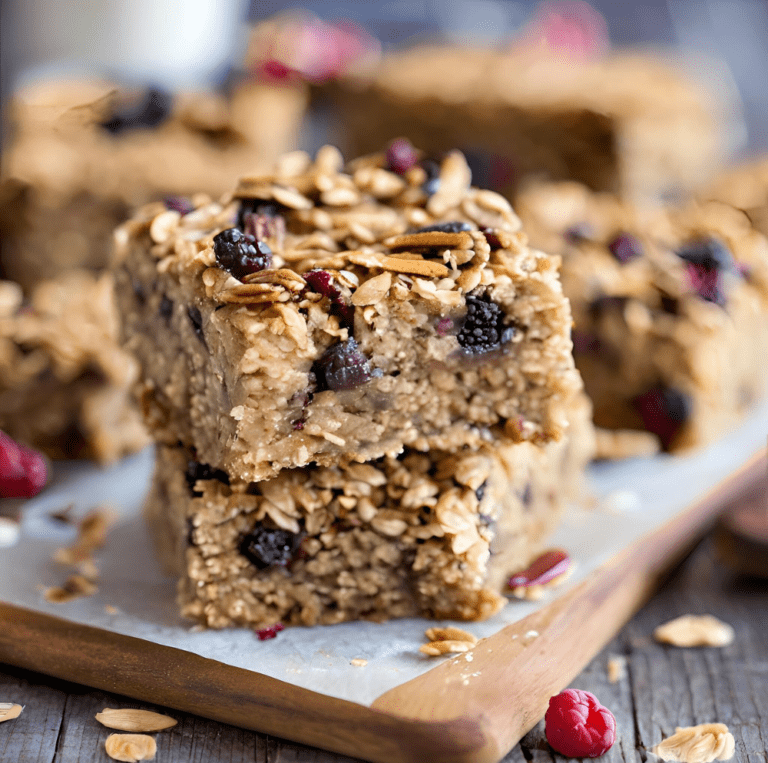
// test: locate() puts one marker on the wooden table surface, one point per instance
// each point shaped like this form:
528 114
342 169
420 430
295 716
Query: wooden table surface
664 687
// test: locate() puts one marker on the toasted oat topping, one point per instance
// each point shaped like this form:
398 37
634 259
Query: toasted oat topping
697 744
131 719
695 630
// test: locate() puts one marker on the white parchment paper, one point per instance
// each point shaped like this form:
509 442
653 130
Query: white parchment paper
136 599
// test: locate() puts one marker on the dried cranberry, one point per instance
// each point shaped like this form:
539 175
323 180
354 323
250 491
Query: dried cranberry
664 411
180 204
579 232
625 247
321 281
492 237
443 326
262 219
578 726
483 329
265 547
708 284
454 226
23 472
401 156
240 253
545 568
270 631
707 260
196 471
196 319
341 367
150 111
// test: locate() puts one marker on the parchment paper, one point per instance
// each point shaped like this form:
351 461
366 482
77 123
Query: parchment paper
136 599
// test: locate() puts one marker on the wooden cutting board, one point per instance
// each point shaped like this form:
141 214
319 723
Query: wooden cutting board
466 709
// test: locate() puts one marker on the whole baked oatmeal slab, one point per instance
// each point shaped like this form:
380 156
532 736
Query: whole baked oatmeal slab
331 314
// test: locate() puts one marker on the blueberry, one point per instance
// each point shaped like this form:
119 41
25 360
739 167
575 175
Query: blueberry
709 253
240 253
483 329
400 156
664 411
152 110
432 170
341 367
264 547
625 247
455 226
196 471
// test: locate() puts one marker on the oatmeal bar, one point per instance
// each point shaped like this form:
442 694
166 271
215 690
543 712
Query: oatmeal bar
625 123
365 314
81 154
433 535
64 381
670 308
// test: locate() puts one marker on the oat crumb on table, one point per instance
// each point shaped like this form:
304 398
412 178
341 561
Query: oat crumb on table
695 630
697 744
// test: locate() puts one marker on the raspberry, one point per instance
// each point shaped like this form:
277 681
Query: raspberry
400 156
342 366
270 631
240 253
269 548
625 248
578 726
23 472
483 328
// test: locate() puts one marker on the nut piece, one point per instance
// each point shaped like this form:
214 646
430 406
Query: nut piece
436 648
130 719
449 634
358 662
695 630
130 748
9 711
617 668
697 744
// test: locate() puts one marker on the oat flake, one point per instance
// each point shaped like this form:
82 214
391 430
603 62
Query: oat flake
130 748
131 719
697 744
695 630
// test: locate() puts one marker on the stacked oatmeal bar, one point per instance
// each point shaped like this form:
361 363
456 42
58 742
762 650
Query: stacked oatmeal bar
360 384
670 310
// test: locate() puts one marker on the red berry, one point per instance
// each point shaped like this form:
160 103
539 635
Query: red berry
546 567
23 472
578 726
270 631
401 156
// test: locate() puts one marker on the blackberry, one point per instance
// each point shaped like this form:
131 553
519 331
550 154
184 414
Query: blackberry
240 253
342 366
264 547
150 111
455 226
400 156
196 471
625 247
483 329
664 411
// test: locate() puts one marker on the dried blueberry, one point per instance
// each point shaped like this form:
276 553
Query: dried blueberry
707 261
180 204
483 329
432 182
342 366
264 547
240 253
401 156
150 111
197 322
454 226
625 247
579 232
321 282
480 492
197 471
166 308
664 411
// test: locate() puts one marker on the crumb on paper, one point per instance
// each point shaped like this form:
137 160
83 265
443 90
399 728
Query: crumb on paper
447 641
74 587
697 744
10 532
64 515
91 536
358 662
531 634
695 630
9 711
111 610
130 748
617 668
